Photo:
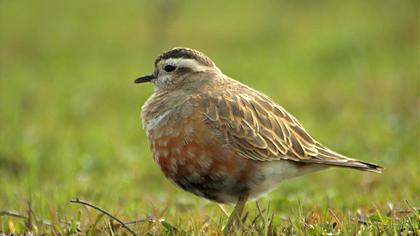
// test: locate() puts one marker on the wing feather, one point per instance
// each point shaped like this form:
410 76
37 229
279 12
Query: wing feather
257 128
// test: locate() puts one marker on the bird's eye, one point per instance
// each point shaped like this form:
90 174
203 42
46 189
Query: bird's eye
169 68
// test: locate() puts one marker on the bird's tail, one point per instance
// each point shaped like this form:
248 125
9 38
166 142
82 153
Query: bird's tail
329 157
356 164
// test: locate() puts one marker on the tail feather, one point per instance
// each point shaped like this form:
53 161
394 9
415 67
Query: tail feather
328 157
351 163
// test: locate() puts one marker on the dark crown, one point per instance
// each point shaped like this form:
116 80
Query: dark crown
186 53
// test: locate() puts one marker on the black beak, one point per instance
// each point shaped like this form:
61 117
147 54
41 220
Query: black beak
144 79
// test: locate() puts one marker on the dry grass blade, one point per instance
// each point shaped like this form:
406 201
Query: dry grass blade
78 201
263 217
223 209
12 214
22 216
29 224
335 216
148 219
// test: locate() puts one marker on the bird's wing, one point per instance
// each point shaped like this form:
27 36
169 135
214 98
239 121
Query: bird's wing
258 129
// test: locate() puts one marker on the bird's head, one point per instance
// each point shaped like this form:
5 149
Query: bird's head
174 66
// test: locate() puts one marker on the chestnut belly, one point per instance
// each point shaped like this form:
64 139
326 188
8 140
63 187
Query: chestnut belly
204 168
195 160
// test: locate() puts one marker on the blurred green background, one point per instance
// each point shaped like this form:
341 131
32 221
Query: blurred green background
69 111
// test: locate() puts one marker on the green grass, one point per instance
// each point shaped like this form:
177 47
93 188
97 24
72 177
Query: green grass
69 123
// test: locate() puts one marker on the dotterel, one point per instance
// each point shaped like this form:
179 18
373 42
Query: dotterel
222 140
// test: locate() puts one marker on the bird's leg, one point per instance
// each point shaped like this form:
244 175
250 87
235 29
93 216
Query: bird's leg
234 219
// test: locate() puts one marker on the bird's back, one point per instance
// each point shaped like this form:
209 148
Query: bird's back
257 128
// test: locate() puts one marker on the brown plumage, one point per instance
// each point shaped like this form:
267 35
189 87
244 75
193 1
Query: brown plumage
222 140
259 129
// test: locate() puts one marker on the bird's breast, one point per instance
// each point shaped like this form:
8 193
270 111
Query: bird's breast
156 121
193 158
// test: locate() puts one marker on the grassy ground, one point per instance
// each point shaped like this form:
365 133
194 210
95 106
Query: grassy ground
69 124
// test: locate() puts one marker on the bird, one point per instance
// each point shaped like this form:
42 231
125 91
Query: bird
222 140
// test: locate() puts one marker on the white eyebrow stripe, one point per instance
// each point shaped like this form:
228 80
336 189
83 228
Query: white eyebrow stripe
186 62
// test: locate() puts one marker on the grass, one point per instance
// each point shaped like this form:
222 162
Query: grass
69 124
